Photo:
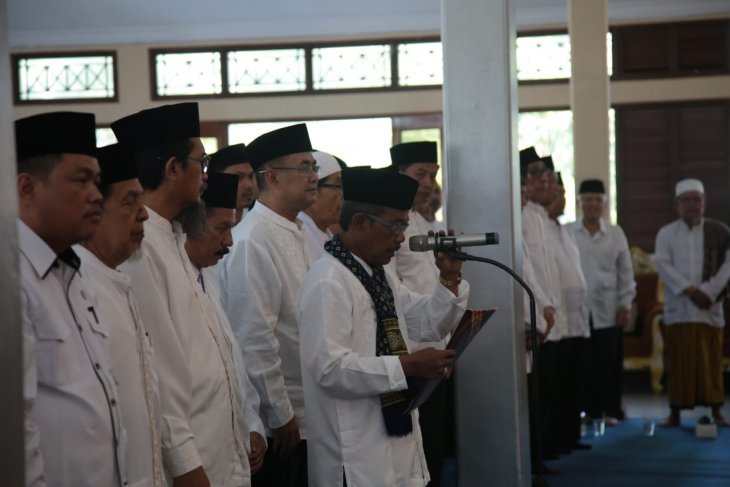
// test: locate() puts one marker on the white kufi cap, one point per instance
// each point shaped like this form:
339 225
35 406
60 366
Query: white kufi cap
689 185
327 164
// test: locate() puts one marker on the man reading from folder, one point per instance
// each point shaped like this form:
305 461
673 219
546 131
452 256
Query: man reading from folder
354 322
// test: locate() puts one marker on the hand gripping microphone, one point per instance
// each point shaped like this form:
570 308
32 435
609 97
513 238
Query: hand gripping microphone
424 243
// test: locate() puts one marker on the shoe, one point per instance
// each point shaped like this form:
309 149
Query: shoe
581 446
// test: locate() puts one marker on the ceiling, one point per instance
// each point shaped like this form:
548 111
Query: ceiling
51 23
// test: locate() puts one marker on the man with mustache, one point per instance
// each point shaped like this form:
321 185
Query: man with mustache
201 444
355 319
205 251
260 281
118 237
70 395
234 160
693 260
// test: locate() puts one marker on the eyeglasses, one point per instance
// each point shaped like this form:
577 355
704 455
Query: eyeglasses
304 169
331 186
395 228
204 162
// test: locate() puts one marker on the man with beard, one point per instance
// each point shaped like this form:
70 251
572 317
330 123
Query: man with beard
355 319
325 211
260 280
234 160
693 260
70 393
606 263
200 443
118 237
204 251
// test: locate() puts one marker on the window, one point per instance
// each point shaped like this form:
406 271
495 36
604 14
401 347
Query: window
88 77
420 64
544 57
351 67
192 73
264 71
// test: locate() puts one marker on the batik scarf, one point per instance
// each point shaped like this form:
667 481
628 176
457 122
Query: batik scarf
388 339
716 243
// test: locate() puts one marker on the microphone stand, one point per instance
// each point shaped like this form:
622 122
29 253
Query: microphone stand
537 435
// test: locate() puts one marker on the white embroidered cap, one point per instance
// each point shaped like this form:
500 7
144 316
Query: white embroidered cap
327 164
689 185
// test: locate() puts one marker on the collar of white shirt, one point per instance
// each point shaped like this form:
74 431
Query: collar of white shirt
601 227
37 251
162 223
265 212
90 259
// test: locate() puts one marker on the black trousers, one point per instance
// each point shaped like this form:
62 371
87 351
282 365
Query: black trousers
607 355
289 471
569 380
546 362
436 418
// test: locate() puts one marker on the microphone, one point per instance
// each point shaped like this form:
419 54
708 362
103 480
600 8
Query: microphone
424 243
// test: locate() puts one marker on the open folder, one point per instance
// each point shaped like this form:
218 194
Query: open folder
470 324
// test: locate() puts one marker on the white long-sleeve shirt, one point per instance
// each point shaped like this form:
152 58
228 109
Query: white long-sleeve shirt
73 427
135 369
260 280
572 282
343 377
248 398
607 268
197 401
541 251
679 256
417 270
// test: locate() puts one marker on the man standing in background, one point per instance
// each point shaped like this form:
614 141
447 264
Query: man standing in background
607 267
693 261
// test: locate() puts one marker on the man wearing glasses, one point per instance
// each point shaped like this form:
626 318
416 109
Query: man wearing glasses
260 281
355 319
200 444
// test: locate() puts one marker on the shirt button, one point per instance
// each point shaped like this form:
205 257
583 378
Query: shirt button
113 401
97 365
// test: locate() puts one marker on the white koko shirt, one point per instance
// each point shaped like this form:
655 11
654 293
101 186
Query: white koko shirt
260 280
608 271
197 395
135 369
343 377
679 256
417 270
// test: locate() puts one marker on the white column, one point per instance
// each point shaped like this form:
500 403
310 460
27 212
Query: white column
482 187
589 89
11 360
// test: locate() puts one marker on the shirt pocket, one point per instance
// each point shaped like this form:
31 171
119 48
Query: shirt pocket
55 359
